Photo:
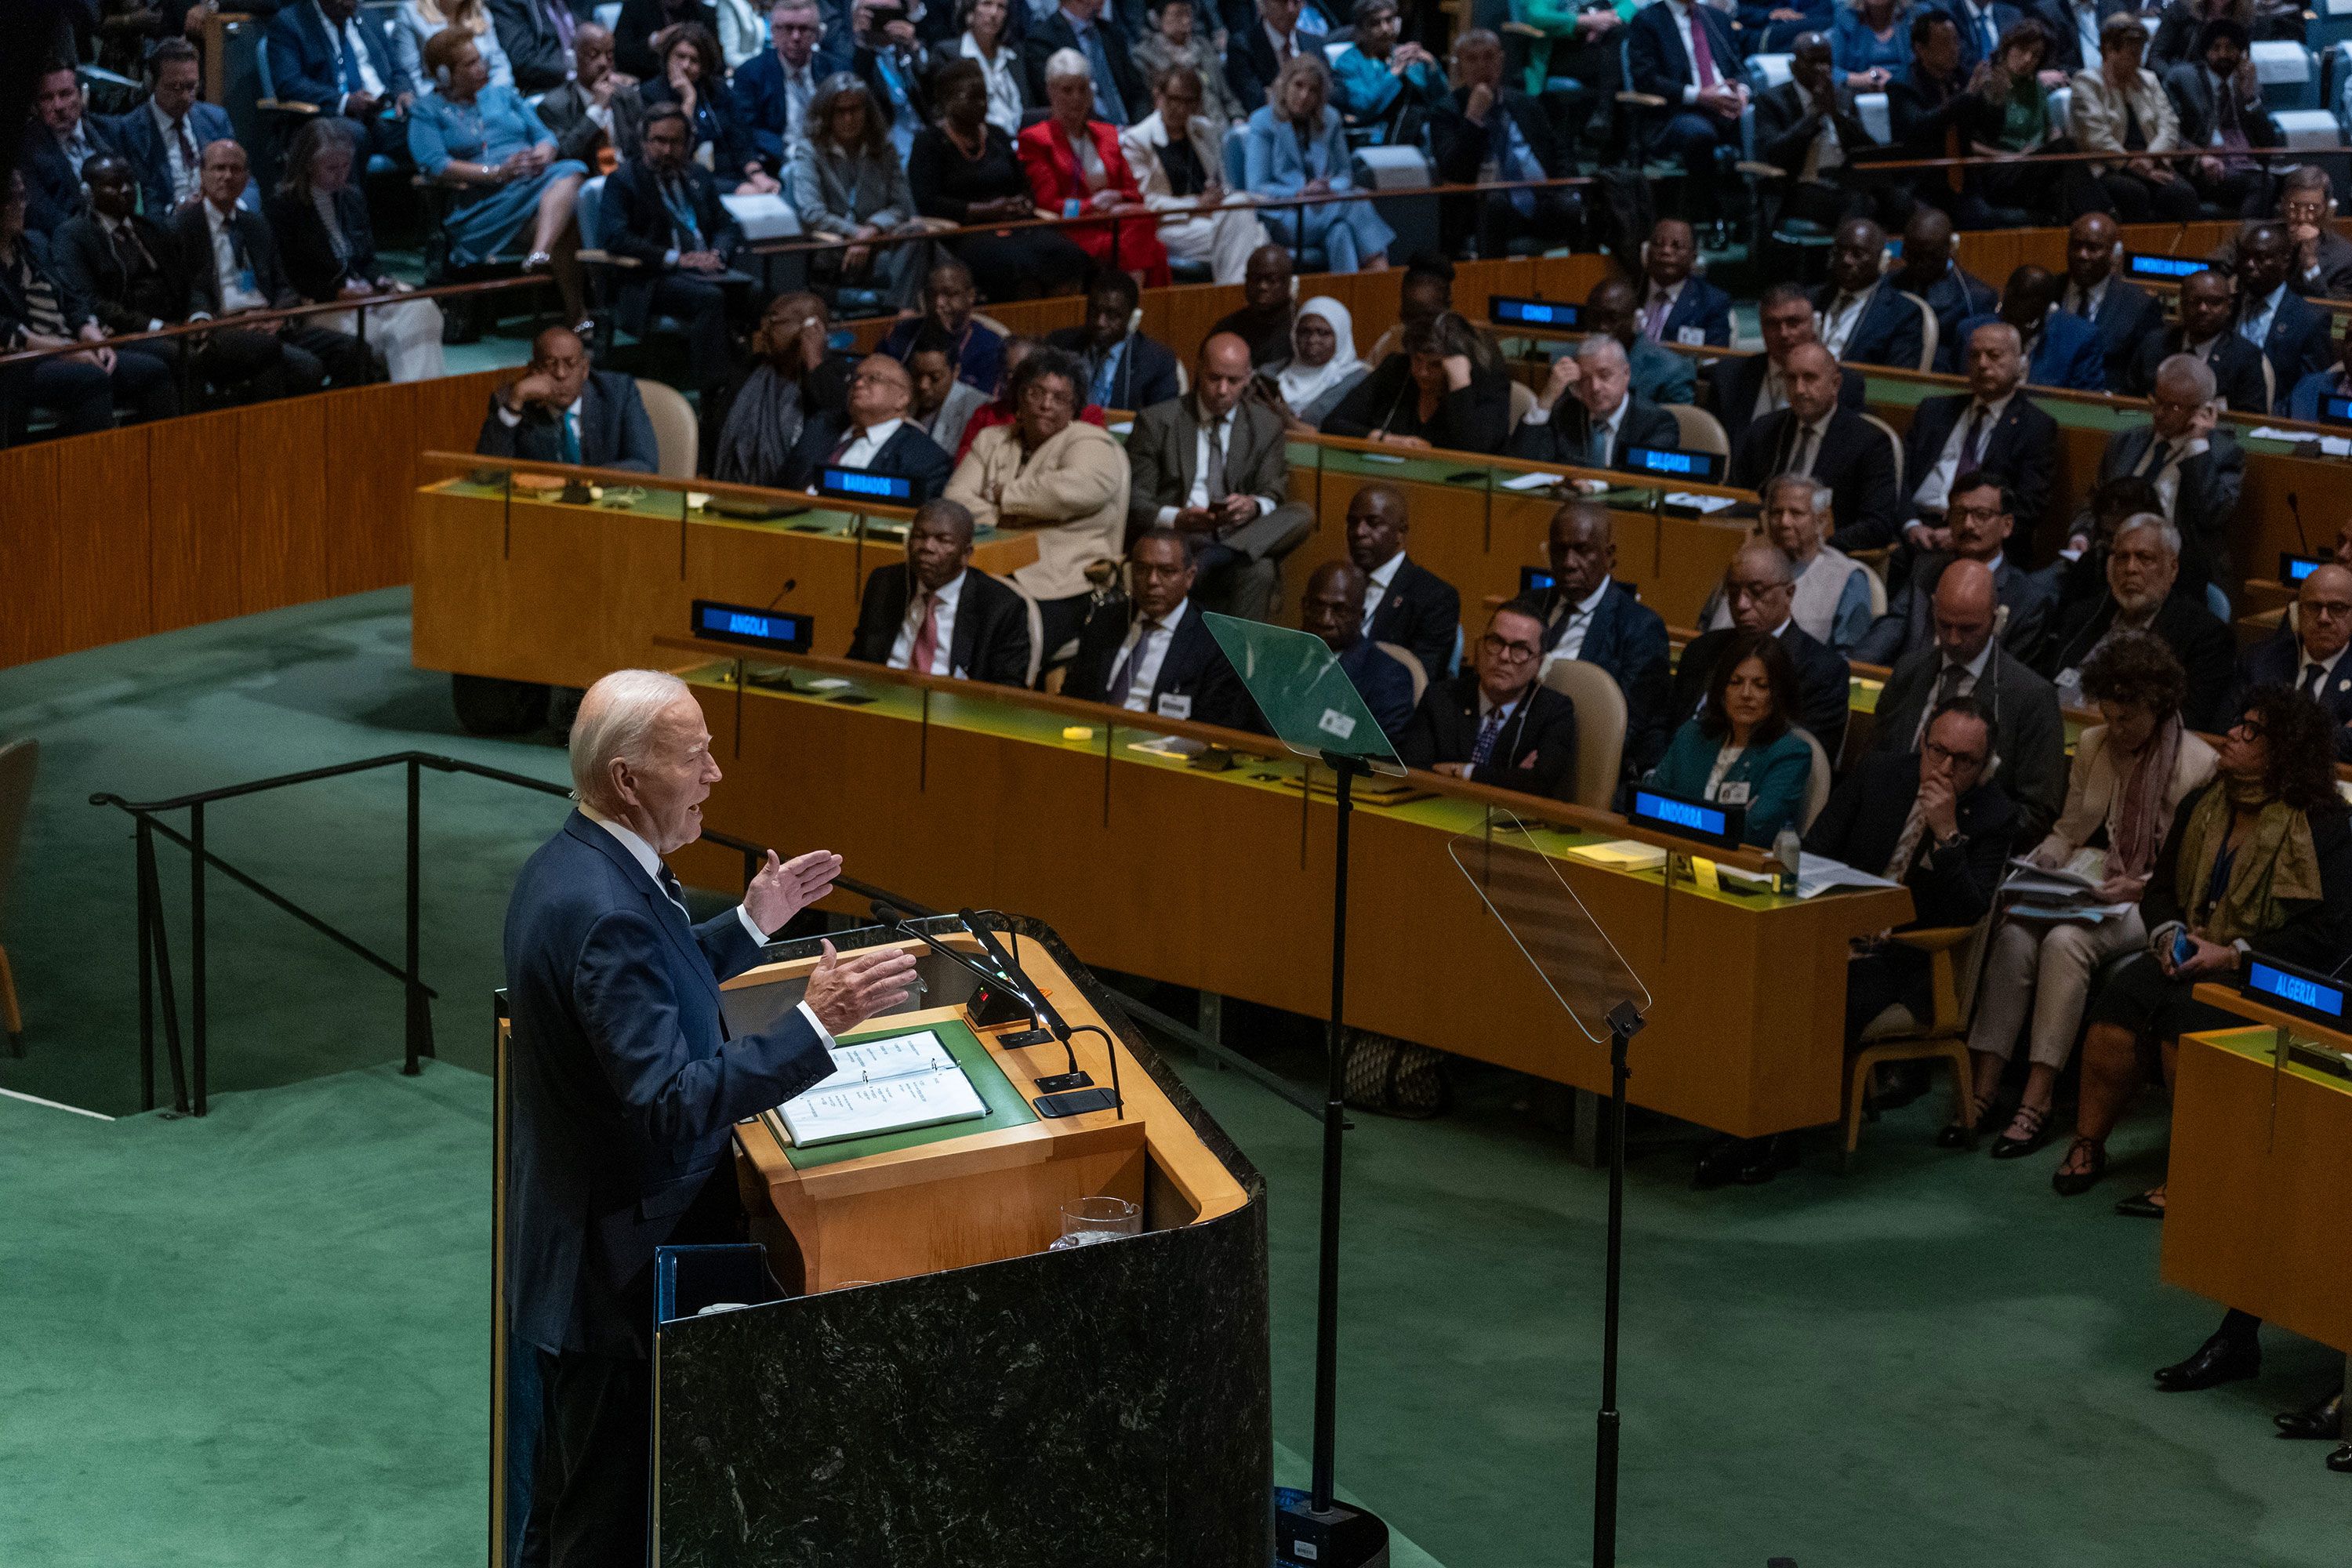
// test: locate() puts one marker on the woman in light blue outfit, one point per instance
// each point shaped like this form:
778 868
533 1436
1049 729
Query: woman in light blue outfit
488 146
1744 748
1870 43
413 23
1369 79
1293 147
847 183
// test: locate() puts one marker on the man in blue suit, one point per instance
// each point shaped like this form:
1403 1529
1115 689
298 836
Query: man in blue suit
1685 53
1675 307
2123 313
1864 319
1981 26
58 142
325 52
2061 348
165 137
1589 615
560 410
2274 317
772 88
2311 660
627 1084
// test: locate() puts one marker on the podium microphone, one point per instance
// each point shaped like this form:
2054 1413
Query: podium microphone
2295 510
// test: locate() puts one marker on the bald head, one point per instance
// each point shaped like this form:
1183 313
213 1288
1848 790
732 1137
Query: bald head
1964 605
1224 373
1582 548
1758 587
1927 242
879 390
1377 525
1810 375
1332 607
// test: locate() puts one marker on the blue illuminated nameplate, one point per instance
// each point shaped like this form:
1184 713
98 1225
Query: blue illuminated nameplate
1691 818
715 621
2295 568
1534 580
2335 410
857 484
1501 307
1699 466
2315 996
2163 268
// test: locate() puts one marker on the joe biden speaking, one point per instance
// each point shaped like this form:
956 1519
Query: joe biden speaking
626 1084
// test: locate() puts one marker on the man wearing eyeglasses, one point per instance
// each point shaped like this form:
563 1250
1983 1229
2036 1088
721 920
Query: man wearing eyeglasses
1978 524
2191 459
1494 723
774 86
1161 659
1759 588
2310 658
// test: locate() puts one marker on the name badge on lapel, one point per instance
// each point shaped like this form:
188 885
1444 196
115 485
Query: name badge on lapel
1175 705
1731 792
1691 337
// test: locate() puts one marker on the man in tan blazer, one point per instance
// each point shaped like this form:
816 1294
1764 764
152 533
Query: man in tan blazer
1177 176
1052 471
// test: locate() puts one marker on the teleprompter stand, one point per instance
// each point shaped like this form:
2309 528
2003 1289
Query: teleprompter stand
1316 712
1522 888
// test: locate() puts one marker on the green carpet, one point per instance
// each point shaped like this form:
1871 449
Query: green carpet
259 1338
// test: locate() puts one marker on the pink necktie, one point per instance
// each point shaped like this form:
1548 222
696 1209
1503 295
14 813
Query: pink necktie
926 640
1653 319
1701 56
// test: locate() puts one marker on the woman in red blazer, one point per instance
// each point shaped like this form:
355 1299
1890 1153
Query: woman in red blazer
1065 181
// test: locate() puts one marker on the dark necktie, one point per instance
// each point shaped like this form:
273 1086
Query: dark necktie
2315 676
559 17
2156 457
1124 675
347 47
1947 687
1968 443
2227 101
1485 745
1216 475
671 887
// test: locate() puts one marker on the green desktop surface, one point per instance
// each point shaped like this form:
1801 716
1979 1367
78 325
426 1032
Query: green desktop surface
670 506
2260 1043
1006 1108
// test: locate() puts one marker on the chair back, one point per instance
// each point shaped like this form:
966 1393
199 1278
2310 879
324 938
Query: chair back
1817 786
2289 73
1877 117
588 211
992 323
1523 401
1931 334
1768 71
1412 662
677 434
608 15
1036 628
1893 441
19 761
1877 589
1700 431
1599 728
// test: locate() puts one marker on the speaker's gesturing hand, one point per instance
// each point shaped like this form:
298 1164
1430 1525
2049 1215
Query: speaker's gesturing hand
782 890
844 992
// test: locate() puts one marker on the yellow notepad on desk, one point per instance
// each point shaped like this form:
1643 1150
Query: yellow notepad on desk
891 1085
1622 855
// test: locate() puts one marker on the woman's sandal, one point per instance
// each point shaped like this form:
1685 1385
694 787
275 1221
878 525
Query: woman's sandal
2067 1183
2009 1146
2149 1205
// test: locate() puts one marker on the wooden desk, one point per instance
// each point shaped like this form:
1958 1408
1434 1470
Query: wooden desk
1222 881
2259 1196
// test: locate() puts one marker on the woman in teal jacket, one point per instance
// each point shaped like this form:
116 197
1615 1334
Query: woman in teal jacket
1743 747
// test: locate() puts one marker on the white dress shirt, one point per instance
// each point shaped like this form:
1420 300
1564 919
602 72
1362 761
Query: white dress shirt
184 172
2167 480
1683 23
2087 305
1773 396
650 863
347 38
902 651
1936 488
1005 104
2087 19
866 444
1149 648
1840 319
2255 325
2326 667
1579 621
1376 586
1805 445
235 293
800 86
1664 298
1199 494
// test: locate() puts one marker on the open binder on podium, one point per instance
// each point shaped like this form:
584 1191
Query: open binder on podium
1522 888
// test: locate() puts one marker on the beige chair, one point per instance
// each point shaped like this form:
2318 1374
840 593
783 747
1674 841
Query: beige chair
1895 1036
1701 431
1036 630
1599 728
1931 331
992 323
19 760
1816 786
1894 442
1877 590
1523 401
1412 662
677 435
2270 384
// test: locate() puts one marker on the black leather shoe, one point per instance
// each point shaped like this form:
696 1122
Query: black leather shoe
1956 1135
2322 1420
2008 1148
2340 1461
2066 1185
2217 1361
2139 1205
1768 1157
1720 1165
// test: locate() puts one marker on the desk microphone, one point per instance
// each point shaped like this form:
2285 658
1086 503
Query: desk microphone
790 584
1084 1096
2295 511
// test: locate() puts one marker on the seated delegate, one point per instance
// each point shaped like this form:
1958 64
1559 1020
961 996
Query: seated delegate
872 434
1496 723
934 615
1441 390
1160 658
1744 748
1332 607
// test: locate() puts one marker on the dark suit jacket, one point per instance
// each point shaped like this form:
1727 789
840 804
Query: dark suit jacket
990 640
1657 61
1056 33
2205 647
639 225
1701 305
1856 461
135 134
2278 661
2297 343
2128 315
2029 734
1973 46
1250 61
1824 683
1785 132
2236 363
626 1084
632 49
533 47
614 429
309 258
909 454
1889 330
302 58
1909 623
1862 823
2067 352
1384 684
564 112
1541 734
762 103
2022 447
1421 612
1564 437
1146 374
195 238
1194 670
2066 43
1165 446
1921 111
2203 506
52 184
1458 146
87 264
1734 381
1628 639
2191 88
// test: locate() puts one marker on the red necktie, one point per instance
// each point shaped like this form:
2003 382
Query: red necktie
927 640
1701 56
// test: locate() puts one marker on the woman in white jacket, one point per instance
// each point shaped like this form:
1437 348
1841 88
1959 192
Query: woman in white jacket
2118 106
1180 170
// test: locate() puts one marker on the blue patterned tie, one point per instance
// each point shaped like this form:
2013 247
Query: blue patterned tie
348 47
1485 747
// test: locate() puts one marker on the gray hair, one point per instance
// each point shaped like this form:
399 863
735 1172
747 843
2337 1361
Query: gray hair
1600 345
616 720
1067 63
2188 369
1819 495
2016 338
2166 534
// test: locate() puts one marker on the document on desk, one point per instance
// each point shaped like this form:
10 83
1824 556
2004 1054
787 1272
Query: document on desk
891 1085
1818 873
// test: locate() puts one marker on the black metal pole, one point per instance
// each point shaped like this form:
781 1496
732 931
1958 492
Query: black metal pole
418 1019
196 951
1327 1282
1604 1459
141 854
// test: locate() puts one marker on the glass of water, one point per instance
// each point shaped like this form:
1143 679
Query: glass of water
1086 1221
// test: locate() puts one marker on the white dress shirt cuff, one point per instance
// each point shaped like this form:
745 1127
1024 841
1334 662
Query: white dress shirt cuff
1164 518
823 1033
1538 414
669 257
1264 504
510 419
743 913
1690 92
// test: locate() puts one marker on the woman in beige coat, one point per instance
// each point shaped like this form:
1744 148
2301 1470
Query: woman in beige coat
2118 106
1190 173
1052 471
2130 774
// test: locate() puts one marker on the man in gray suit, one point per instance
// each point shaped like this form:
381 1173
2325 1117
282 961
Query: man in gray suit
1213 466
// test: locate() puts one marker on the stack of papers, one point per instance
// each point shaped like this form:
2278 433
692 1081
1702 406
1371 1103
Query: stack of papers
2333 445
2067 892
1699 503
1622 855
891 1085
1818 873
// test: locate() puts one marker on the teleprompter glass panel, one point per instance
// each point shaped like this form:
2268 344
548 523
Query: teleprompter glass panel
1309 700
1522 888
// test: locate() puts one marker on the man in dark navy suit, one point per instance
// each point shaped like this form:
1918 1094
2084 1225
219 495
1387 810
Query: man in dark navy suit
2208 331
1865 319
1993 426
664 214
874 434
561 410
2121 311
1496 723
1685 53
1982 24
1743 388
2061 350
1816 437
1126 369
1949 290
329 53
627 1083
164 138
1332 607
1588 415
1676 307
59 140
1415 609
932 614
1590 616
2271 315
1161 660
2312 660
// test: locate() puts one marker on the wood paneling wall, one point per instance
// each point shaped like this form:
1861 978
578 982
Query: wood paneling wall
158 526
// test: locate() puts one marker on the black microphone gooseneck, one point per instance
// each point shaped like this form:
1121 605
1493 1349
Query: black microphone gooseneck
2295 510
890 918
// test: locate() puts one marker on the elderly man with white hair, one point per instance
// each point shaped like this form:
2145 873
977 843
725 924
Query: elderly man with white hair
1604 420
627 1084
1832 601
2195 465
2143 564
